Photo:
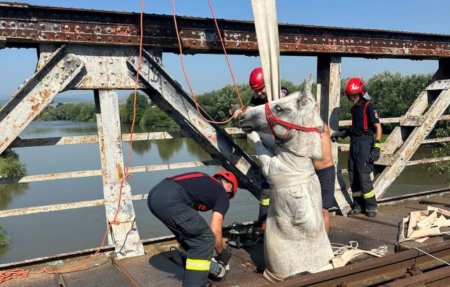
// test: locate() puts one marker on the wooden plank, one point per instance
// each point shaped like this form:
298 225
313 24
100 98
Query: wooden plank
414 140
411 121
392 143
439 85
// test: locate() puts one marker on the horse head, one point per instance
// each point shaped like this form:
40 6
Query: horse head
293 120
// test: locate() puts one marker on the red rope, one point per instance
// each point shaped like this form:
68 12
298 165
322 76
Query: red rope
225 53
180 48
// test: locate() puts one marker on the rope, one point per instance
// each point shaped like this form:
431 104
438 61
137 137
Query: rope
225 53
17 273
339 249
12 274
180 48
432 256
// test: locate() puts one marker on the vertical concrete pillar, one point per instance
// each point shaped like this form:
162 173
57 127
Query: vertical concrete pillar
123 233
328 98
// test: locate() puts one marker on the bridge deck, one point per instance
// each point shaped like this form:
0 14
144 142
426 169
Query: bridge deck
157 268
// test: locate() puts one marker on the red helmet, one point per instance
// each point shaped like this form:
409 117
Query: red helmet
355 86
256 80
230 177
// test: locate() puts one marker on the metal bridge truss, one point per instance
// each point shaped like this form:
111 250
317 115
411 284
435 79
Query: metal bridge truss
73 55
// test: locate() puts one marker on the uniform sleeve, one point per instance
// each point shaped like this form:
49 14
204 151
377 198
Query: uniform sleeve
222 203
373 114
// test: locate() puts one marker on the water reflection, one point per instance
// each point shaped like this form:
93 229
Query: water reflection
167 148
8 192
141 147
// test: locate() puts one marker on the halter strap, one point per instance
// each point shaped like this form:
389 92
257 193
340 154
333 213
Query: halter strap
272 120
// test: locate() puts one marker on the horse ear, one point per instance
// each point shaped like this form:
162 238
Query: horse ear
306 91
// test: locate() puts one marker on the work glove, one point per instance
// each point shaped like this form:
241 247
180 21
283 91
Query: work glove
375 153
339 134
224 257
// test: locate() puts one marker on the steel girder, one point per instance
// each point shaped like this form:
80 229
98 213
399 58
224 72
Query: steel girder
24 25
168 95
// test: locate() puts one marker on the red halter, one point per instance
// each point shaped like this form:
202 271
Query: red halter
272 120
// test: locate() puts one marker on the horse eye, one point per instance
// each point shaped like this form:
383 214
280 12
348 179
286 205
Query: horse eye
278 108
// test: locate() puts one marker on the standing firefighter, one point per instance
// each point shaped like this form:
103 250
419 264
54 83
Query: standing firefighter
365 148
176 200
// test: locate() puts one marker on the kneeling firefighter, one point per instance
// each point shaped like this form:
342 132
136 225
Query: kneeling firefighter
176 200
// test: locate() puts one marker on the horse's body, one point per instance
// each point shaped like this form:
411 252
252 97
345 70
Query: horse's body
295 238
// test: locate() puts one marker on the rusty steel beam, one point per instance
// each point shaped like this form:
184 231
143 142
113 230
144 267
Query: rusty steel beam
23 25
377 271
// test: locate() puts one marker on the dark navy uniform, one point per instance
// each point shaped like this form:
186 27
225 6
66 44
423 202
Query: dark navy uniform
364 116
175 201
257 101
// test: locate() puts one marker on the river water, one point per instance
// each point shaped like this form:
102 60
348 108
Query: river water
51 233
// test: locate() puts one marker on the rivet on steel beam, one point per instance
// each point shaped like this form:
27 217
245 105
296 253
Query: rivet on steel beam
12 24
3 23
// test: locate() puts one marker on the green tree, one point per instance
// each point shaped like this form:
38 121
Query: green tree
142 103
394 93
154 117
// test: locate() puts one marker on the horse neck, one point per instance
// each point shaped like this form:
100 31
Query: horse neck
293 161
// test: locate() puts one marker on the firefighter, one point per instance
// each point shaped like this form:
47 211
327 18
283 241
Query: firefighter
256 82
176 200
365 147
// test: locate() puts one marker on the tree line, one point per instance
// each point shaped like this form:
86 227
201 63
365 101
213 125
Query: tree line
392 94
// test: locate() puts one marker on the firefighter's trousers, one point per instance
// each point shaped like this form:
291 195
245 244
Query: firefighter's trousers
360 171
172 205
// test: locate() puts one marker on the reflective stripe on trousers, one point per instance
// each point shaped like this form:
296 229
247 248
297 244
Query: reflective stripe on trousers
198 264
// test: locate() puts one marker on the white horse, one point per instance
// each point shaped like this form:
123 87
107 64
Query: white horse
295 238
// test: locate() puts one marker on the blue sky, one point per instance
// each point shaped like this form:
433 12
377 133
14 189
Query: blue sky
210 72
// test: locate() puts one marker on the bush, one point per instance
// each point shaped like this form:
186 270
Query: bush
10 165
